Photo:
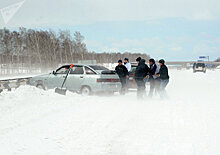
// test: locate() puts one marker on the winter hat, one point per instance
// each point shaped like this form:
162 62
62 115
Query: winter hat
120 61
138 59
162 61
126 59
142 60
152 60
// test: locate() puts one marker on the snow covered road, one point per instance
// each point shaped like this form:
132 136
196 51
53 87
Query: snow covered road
36 122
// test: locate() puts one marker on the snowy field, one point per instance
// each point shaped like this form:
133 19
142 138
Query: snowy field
37 122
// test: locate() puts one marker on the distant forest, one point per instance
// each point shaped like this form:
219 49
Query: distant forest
47 49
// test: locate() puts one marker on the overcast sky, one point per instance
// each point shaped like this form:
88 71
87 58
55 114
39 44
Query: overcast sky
171 29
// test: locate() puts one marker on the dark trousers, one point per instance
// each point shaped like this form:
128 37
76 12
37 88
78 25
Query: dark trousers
140 88
127 82
163 84
154 87
157 86
123 85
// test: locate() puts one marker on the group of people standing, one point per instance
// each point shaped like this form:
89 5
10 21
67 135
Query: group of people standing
156 74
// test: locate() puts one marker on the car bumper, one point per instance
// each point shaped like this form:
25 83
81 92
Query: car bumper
199 69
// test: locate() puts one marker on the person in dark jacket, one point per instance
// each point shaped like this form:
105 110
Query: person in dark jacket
164 78
152 77
122 72
141 71
138 60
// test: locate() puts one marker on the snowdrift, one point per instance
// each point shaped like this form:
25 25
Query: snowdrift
33 121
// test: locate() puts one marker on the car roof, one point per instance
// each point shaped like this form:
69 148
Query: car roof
78 64
200 63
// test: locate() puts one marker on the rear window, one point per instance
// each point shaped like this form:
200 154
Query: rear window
133 68
200 65
89 71
98 68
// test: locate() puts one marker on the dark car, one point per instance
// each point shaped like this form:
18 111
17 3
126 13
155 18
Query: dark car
131 82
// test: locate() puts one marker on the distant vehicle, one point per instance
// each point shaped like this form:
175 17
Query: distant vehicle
199 67
84 79
131 82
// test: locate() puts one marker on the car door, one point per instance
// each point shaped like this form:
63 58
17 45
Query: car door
90 77
75 78
56 80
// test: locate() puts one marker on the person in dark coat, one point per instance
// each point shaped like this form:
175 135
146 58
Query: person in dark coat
164 78
122 72
152 77
138 60
141 71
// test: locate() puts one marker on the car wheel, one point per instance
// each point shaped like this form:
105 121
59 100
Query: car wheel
40 86
86 91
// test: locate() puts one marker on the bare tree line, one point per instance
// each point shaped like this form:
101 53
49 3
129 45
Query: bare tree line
45 49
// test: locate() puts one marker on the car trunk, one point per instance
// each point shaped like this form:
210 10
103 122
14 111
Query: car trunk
109 74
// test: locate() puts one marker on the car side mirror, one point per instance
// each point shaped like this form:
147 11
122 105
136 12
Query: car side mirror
54 73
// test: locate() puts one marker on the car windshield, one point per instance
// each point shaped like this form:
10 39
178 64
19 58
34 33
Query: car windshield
98 68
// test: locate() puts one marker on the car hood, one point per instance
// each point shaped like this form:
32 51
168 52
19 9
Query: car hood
38 77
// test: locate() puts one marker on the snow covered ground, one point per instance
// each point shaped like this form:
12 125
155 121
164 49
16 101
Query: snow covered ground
34 122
